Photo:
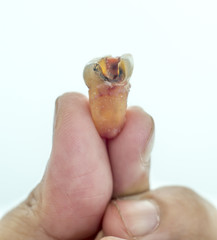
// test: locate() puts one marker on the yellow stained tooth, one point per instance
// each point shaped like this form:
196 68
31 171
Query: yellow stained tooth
121 66
108 96
102 64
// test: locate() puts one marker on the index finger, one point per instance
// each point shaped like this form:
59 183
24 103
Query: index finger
74 198
129 154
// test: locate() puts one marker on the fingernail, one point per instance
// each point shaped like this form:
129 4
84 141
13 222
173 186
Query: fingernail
139 217
146 151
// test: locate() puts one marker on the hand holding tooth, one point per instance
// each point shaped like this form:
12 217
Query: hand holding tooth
74 200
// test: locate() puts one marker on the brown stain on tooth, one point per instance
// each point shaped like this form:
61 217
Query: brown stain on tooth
108 82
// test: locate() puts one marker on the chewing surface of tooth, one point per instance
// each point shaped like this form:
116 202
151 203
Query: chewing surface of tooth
108 81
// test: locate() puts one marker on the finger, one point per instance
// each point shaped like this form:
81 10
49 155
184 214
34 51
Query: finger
70 201
167 213
130 152
74 197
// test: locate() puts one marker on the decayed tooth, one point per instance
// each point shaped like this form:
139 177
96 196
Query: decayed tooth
108 81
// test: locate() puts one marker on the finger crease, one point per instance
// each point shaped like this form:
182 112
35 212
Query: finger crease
123 221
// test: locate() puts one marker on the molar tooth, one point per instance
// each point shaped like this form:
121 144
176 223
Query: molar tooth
108 81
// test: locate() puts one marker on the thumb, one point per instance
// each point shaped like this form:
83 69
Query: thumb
71 199
166 213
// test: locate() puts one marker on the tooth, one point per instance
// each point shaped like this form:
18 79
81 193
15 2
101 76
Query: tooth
108 81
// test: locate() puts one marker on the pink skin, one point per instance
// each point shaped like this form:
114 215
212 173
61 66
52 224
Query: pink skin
78 183
84 173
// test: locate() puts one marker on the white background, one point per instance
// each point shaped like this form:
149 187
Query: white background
44 46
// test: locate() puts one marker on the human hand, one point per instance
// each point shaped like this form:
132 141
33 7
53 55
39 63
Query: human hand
84 173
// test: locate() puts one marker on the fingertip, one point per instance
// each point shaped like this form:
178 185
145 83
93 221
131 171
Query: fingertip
71 96
71 185
137 112
127 218
137 109
130 153
65 103
139 127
